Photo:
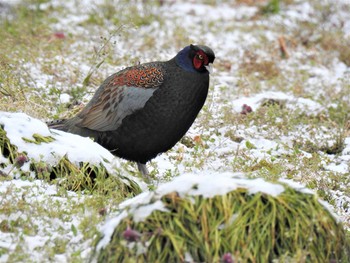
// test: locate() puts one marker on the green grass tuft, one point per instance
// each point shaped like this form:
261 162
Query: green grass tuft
272 7
252 227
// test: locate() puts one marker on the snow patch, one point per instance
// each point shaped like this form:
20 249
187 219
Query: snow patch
19 126
308 106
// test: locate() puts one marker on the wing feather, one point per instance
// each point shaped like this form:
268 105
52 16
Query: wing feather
119 96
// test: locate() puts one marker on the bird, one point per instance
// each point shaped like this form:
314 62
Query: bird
144 110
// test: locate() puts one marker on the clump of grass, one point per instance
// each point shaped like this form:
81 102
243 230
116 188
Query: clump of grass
83 177
334 145
250 227
12 91
272 7
7 149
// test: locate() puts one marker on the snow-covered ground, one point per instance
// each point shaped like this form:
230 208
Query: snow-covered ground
227 27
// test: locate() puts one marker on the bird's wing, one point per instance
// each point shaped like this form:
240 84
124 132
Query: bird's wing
119 96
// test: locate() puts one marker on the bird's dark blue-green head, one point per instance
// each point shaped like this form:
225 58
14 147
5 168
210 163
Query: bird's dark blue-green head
196 58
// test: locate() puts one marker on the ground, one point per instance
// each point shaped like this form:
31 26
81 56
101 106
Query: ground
278 104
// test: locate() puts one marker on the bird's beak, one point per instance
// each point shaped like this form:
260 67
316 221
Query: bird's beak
209 67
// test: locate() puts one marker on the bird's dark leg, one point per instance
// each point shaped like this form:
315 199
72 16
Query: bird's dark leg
143 169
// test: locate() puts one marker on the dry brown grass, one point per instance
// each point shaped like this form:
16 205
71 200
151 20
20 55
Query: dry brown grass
262 68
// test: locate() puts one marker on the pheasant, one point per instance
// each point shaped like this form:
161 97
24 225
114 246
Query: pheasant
145 110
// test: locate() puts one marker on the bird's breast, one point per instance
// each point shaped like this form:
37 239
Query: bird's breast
164 119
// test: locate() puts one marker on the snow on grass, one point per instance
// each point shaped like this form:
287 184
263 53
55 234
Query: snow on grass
225 147
207 185
19 126
306 105
187 187
39 236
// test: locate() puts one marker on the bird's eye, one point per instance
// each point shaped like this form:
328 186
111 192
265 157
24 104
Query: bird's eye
200 56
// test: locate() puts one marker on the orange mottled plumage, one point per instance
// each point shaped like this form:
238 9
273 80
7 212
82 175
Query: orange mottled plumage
143 77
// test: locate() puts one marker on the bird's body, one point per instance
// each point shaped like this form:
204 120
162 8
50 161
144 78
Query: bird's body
144 110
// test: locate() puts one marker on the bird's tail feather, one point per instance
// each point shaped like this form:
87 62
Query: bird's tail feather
57 124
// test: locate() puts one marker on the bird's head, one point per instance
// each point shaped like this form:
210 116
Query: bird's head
196 58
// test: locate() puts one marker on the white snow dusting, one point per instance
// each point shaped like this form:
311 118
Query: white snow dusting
77 148
222 26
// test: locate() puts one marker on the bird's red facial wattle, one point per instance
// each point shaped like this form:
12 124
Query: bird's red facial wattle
200 60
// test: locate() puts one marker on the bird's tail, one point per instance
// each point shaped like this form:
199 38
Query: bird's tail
58 124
